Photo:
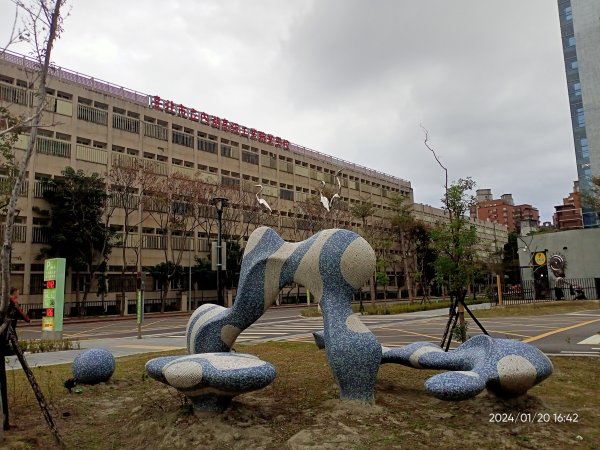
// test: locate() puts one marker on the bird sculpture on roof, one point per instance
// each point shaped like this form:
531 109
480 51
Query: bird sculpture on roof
261 201
326 202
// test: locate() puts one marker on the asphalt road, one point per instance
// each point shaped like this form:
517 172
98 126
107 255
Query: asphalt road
565 334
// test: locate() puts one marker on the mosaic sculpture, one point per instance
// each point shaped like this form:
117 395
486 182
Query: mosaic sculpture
92 366
332 264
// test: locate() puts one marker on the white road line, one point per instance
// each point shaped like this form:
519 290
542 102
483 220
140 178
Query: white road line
592 340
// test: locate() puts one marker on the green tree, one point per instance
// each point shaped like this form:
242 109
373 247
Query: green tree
455 240
78 229
591 198
164 274
425 256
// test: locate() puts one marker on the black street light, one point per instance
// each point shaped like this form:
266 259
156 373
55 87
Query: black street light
219 203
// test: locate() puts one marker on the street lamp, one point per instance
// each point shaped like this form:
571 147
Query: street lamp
219 203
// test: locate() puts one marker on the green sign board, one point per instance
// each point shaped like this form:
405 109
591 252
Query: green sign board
54 294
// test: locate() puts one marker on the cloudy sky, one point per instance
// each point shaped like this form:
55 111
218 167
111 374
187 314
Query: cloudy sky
355 79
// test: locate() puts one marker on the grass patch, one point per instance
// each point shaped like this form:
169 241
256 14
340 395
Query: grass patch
539 309
48 345
300 410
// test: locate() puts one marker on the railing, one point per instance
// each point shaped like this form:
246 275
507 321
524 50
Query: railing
125 123
75 77
156 131
124 160
132 241
39 187
53 147
124 200
6 186
91 154
530 291
91 114
13 94
157 167
19 233
187 171
154 241
38 235
181 243
180 138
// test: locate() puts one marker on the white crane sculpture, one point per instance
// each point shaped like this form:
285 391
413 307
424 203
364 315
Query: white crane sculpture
262 201
328 203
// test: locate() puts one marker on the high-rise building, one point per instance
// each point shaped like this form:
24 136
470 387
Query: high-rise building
568 215
580 32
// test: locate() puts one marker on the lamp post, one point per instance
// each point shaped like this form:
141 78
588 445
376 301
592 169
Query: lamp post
219 203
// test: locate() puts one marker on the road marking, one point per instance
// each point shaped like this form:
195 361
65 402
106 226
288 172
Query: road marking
584 314
510 333
579 353
412 333
559 330
592 340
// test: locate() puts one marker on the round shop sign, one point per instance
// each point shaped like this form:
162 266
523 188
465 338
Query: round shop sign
540 258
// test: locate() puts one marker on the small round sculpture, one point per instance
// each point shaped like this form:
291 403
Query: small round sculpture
93 366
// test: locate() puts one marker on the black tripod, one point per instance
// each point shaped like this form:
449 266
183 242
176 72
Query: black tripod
453 319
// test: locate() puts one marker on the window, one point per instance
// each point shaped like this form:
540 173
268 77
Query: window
250 158
568 13
286 194
207 146
585 149
577 89
580 117
571 41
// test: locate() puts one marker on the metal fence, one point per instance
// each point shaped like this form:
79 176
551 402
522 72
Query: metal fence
534 291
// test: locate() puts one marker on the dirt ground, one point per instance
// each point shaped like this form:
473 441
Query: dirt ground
300 410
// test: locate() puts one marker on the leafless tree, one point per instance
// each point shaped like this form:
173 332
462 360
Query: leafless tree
42 27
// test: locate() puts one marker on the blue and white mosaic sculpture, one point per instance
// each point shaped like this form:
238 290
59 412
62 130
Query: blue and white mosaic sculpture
332 264
93 366
506 367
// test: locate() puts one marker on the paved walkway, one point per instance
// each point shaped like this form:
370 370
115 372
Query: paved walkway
148 344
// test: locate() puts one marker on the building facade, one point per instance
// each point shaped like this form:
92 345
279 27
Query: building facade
503 210
492 236
580 34
569 216
97 126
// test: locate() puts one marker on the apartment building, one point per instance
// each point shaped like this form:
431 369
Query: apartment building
569 216
503 210
96 125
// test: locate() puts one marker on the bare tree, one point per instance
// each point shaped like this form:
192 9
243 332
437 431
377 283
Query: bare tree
43 25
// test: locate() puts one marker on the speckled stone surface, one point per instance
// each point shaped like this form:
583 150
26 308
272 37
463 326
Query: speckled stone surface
506 367
332 264
93 366
211 380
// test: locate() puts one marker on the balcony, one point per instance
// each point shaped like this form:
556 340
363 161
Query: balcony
53 147
123 160
39 187
180 138
156 131
19 233
13 94
91 114
154 241
91 154
6 186
38 235
157 167
125 123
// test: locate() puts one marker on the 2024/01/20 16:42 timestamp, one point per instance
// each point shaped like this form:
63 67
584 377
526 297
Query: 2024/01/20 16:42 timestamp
526 417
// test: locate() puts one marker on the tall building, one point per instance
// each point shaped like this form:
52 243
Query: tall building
568 215
503 210
97 126
580 34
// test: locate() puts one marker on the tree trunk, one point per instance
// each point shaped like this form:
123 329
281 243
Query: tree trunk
373 289
407 274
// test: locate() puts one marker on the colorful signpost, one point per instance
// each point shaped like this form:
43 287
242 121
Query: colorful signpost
53 298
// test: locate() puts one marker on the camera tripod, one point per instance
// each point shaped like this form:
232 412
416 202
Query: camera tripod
453 319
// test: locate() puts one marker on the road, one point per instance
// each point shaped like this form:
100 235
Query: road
564 334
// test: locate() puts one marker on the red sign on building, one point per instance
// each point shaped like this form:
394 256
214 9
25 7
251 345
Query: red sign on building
180 110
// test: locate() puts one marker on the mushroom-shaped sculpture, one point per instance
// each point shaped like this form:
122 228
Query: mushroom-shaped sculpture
211 380
92 366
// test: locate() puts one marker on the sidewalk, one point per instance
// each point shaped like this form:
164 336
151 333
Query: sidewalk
133 346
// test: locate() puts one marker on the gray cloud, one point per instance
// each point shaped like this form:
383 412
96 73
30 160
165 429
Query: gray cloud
355 79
